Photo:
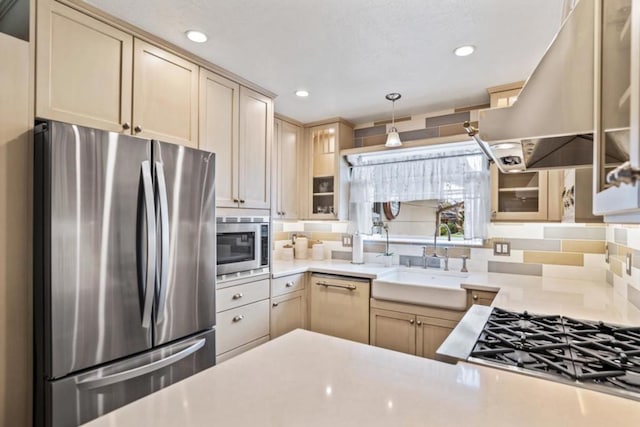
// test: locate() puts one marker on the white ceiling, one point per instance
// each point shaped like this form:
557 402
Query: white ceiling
350 53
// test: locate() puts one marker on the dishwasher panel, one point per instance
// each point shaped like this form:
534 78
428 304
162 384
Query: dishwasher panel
340 307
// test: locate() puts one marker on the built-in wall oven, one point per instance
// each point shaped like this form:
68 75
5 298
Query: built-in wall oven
242 245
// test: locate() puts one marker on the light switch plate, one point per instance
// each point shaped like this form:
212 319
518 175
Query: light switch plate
501 248
347 241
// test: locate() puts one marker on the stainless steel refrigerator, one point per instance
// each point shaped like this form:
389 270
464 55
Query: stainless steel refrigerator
124 269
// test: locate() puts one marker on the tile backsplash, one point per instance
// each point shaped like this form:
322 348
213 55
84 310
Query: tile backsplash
539 249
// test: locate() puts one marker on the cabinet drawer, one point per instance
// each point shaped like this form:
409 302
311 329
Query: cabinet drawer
286 284
480 297
242 325
240 295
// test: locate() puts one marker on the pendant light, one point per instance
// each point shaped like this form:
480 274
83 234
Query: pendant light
393 138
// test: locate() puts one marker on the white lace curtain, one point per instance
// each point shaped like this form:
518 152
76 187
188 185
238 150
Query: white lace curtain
460 175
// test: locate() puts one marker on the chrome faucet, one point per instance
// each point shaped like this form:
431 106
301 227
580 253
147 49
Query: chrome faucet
439 225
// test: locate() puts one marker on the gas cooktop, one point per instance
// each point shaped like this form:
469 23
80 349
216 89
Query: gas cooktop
590 354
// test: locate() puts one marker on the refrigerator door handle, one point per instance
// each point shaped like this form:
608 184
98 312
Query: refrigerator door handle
93 383
149 279
164 240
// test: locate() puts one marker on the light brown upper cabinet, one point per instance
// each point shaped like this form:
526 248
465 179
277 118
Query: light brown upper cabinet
328 171
165 96
237 124
256 135
219 115
526 196
84 69
95 75
504 95
285 195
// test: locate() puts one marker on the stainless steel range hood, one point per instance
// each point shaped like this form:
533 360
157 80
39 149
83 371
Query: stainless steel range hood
551 124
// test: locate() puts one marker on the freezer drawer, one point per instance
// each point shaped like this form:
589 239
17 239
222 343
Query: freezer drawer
76 400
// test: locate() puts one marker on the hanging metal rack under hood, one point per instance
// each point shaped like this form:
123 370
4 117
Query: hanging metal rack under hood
551 124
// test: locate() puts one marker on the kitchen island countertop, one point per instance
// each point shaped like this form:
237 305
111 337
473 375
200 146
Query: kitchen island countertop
308 379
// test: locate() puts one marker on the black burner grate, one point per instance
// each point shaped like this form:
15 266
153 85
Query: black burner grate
589 352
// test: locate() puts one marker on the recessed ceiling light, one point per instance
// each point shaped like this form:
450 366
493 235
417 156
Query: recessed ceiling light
464 50
302 93
196 36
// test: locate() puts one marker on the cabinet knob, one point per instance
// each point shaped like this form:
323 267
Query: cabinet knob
475 297
241 200
238 318
275 304
236 201
137 129
288 284
284 213
411 321
419 322
237 296
126 126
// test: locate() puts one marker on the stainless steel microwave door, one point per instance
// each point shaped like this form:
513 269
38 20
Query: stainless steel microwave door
185 281
98 212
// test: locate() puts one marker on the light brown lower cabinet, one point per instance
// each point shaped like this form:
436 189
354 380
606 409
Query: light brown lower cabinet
288 312
410 329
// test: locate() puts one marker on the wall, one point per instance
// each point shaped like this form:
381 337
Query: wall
540 249
623 240
16 334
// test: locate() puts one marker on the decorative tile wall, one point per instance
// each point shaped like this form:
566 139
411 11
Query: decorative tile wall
433 125
540 249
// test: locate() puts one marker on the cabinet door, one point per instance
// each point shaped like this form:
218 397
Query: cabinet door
340 308
83 73
287 170
430 334
323 176
287 313
519 197
219 112
393 330
165 96
256 133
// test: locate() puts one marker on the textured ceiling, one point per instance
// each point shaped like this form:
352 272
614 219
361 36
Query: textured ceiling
350 53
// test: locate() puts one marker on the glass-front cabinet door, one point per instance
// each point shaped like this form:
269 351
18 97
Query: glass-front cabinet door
617 89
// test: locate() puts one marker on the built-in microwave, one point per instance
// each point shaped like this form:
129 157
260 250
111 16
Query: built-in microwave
242 245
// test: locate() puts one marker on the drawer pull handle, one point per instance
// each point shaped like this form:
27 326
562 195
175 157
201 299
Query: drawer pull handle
288 284
275 304
332 285
237 296
411 321
238 318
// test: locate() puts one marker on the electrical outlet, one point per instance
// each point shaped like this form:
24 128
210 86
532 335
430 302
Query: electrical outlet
629 264
501 248
347 240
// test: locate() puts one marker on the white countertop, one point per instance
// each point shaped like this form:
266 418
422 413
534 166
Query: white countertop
308 379
543 295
